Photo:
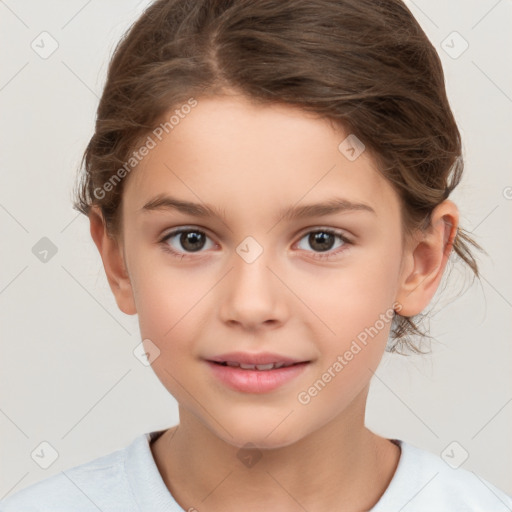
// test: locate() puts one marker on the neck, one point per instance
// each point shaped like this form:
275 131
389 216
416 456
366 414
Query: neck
329 467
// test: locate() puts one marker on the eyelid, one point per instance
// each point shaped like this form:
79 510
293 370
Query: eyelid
348 241
185 227
337 231
315 227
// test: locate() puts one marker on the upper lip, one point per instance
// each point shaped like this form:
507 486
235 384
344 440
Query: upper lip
255 358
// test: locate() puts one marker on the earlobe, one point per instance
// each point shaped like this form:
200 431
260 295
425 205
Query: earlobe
113 261
425 260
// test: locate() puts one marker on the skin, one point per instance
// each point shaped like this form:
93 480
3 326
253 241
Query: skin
251 161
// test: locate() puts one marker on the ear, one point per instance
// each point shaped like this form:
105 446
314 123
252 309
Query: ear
113 261
425 259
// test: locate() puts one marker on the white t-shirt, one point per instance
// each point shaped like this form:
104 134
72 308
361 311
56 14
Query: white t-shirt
128 480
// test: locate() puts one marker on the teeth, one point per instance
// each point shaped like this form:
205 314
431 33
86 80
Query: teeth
270 366
265 366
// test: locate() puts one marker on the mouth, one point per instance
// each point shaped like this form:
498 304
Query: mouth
260 367
256 378
259 361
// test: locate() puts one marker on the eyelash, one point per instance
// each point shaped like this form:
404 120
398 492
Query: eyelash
318 256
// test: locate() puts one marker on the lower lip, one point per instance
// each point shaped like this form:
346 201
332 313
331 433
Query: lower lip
255 381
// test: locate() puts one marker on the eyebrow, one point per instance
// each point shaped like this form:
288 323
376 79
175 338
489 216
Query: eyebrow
331 206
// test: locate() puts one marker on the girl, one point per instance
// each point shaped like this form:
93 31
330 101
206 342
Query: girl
308 149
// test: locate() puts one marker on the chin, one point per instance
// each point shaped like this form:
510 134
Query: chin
260 434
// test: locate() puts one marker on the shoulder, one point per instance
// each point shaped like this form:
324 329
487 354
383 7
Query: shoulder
425 482
81 488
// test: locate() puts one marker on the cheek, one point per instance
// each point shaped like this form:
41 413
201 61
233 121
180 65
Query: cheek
342 302
169 308
167 298
348 359
173 307
352 317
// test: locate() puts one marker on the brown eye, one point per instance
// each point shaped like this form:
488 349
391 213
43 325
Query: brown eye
192 240
323 241
185 241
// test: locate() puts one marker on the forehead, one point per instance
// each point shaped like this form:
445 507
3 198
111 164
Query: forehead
232 153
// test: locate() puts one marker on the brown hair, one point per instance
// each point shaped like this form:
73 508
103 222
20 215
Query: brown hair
367 66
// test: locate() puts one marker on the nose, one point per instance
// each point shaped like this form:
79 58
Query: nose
252 294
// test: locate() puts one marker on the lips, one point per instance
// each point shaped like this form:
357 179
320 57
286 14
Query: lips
270 366
254 380
255 361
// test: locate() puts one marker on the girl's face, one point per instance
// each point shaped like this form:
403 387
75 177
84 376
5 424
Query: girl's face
250 279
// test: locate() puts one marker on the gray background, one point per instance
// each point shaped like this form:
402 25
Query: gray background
68 373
